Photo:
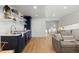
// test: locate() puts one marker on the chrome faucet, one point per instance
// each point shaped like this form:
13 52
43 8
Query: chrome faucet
12 29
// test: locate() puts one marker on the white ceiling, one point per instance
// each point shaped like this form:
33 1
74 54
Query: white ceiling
50 11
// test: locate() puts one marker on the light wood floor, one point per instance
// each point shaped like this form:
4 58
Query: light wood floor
39 45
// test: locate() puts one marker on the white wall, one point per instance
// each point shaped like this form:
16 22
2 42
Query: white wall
38 27
50 24
72 27
70 20
5 26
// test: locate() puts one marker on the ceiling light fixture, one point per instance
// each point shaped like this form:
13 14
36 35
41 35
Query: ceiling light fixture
35 7
65 7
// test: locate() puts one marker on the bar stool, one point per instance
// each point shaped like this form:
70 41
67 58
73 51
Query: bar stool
2 44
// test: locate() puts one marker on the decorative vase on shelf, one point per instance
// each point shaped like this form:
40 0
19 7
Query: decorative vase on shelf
7 11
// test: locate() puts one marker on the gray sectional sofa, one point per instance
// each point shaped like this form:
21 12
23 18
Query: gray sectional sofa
62 46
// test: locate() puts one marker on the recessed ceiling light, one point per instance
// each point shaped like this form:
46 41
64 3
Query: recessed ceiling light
65 7
35 7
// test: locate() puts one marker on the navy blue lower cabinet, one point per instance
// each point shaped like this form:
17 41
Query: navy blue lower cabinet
13 43
21 43
28 35
16 43
25 38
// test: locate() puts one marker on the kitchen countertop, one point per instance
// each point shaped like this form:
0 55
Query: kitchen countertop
10 34
17 34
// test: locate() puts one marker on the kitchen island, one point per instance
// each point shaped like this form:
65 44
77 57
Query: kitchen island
16 41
